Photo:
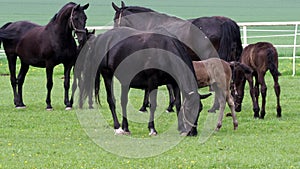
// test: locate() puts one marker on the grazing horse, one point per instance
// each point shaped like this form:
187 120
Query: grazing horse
45 47
261 57
223 35
142 60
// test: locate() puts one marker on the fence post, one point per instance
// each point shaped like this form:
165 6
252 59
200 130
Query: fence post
294 49
245 36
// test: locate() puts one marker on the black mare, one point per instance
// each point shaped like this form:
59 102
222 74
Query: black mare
222 32
142 60
45 47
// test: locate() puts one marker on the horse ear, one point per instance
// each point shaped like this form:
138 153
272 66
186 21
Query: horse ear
85 6
116 8
122 4
93 32
77 7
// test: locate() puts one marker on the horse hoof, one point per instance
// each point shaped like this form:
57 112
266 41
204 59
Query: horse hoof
21 107
211 111
183 134
228 115
152 133
169 111
143 111
68 108
49 108
119 131
127 133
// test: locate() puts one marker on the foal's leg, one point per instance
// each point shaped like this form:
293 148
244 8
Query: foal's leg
49 72
277 92
67 70
263 94
124 101
222 101
12 59
153 102
21 77
253 96
230 102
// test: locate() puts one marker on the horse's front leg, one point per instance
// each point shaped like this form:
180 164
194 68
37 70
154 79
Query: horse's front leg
67 70
13 80
153 102
171 98
49 72
124 101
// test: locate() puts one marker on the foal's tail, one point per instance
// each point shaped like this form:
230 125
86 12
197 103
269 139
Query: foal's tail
271 54
230 43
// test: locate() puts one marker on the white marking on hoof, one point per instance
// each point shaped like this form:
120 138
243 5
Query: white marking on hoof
183 134
143 111
68 108
119 131
152 132
49 109
21 107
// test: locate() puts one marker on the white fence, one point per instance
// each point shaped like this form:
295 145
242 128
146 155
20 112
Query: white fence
244 29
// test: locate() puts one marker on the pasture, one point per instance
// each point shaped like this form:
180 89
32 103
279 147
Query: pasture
36 138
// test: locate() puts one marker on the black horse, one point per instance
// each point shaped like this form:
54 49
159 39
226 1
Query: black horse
223 35
45 47
142 60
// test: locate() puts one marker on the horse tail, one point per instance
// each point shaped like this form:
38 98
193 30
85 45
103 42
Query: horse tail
230 43
6 34
271 54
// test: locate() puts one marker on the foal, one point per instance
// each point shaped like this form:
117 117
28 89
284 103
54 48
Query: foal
261 57
217 73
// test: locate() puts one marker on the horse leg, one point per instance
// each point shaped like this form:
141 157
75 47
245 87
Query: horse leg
277 92
111 102
171 98
74 87
222 101
124 101
12 59
177 103
253 96
153 102
230 102
49 72
263 94
21 77
215 106
145 101
67 70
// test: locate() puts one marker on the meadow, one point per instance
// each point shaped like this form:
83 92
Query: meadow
36 138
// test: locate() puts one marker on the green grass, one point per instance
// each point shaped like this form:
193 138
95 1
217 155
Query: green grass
36 138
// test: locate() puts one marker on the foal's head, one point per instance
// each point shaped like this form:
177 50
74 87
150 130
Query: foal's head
239 79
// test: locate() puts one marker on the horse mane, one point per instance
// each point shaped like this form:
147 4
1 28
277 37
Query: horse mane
61 10
137 9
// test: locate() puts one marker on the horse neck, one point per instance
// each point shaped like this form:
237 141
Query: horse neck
61 24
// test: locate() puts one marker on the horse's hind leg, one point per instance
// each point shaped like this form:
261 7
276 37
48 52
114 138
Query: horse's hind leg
145 101
67 70
222 101
12 59
124 101
21 77
153 102
253 91
277 92
263 94
171 98
230 102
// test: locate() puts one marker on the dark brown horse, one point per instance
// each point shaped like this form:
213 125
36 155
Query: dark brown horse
45 47
223 34
142 60
261 57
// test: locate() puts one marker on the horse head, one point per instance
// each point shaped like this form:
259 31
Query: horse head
240 71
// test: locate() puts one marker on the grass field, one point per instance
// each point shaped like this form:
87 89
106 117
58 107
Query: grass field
36 138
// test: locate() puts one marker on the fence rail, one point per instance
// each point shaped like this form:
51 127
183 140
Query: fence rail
244 29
